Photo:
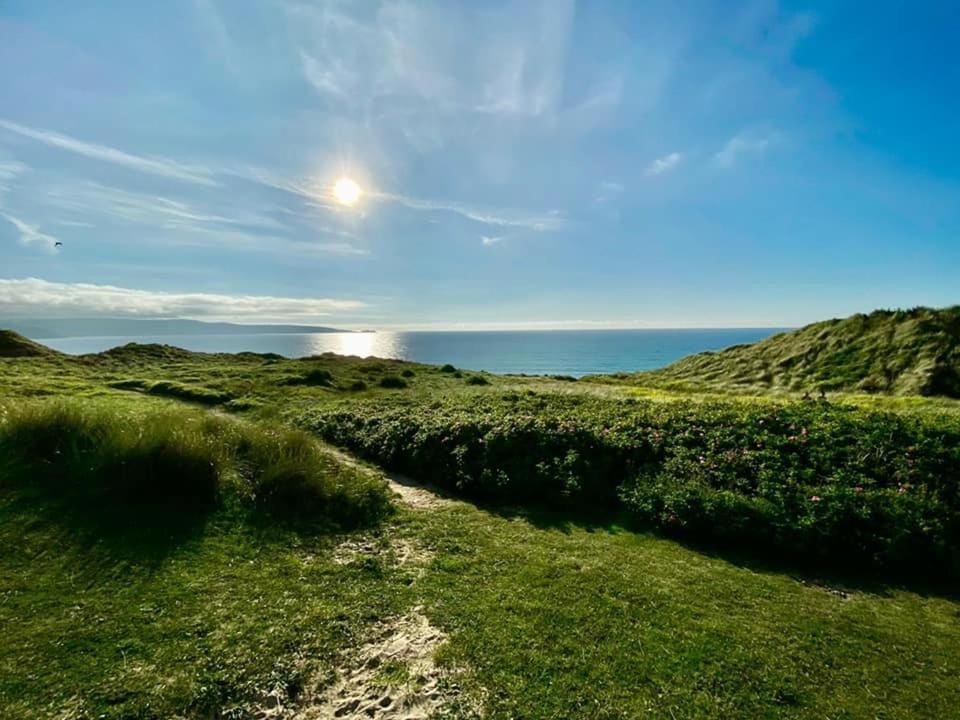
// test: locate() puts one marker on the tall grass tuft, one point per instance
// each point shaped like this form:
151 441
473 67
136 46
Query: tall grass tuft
180 458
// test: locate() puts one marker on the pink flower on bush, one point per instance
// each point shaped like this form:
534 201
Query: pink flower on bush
903 488
858 488
815 498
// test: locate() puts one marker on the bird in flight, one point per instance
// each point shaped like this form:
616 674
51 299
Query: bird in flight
58 244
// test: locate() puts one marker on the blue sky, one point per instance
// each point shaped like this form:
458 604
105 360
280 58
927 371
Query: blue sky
529 164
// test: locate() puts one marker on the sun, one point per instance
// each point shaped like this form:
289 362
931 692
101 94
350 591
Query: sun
346 191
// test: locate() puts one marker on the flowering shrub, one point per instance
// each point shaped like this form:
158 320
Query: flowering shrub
823 481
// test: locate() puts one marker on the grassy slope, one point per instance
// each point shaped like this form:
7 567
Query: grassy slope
915 352
13 345
551 616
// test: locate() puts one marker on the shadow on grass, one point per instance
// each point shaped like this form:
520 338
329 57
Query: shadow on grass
141 535
839 578
836 577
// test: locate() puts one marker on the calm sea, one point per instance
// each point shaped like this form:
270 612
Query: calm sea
548 352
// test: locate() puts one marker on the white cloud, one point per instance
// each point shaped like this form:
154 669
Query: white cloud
541 222
487 240
744 143
39 298
662 165
153 166
30 235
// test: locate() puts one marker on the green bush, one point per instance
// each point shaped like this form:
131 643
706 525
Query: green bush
448 368
477 380
393 382
314 376
814 480
408 373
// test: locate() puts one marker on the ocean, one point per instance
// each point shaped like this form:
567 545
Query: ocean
541 352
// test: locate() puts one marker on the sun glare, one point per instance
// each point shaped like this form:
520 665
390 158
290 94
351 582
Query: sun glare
346 191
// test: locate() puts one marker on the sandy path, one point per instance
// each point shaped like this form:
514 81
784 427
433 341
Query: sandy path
409 491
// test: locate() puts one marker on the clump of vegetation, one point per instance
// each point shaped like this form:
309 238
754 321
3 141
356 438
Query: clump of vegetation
191 393
178 457
408 373
448 368
314 376
564 378
393 382
902 352
174 389
477 380
290 476
357 386
810 480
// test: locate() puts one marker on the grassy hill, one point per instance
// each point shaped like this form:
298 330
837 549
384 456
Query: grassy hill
903 352
15 345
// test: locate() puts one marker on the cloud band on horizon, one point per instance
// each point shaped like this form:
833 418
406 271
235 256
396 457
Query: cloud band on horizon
33 297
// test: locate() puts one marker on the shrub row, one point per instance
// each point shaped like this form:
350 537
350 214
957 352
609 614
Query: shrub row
182 459
816 480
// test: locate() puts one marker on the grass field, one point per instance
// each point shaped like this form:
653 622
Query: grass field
128 609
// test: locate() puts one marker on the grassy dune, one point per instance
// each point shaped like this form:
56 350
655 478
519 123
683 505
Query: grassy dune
912 352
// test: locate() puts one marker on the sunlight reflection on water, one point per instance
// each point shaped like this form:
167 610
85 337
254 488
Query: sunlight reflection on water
381 344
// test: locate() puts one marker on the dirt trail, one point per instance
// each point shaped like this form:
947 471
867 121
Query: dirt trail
409 491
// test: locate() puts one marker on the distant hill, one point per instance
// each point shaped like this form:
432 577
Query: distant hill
131 327
14 344
903 352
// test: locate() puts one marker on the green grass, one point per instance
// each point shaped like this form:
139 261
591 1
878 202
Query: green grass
559 619
121 613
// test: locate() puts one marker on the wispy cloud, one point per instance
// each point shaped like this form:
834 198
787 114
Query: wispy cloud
30 235
608 191
149 209
184 224
323 78
432 59
541 222
663 164
744 143
39 298
162 167
488 240
9 169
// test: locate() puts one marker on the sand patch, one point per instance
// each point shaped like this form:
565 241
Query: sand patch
392 677
402 552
